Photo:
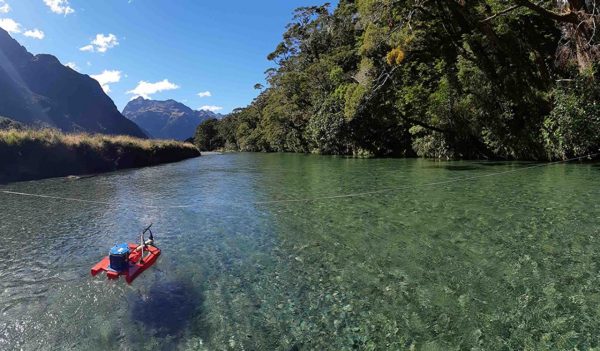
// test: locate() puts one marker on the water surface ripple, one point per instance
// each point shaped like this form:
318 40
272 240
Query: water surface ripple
489 263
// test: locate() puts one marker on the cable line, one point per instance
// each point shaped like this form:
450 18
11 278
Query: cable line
327 197
455 180
87 201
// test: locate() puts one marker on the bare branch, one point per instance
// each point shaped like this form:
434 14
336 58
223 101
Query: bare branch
503 12
569 17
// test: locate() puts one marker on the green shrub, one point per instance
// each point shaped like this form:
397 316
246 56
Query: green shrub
573 127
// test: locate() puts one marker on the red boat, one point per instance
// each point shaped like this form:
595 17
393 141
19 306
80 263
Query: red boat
128 259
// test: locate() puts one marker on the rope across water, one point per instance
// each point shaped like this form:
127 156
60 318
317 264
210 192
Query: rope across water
454 180
326 197
9 192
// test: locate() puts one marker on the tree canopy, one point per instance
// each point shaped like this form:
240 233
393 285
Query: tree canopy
445 79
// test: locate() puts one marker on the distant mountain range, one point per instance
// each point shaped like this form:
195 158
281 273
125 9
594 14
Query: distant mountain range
166 119
7 123
39 91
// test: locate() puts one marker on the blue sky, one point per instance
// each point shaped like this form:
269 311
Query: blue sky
179 48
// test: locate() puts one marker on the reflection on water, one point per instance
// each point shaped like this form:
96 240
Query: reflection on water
506 262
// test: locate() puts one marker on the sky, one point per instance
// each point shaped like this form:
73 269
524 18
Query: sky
206 54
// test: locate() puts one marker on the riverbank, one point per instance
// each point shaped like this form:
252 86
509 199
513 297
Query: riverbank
37 154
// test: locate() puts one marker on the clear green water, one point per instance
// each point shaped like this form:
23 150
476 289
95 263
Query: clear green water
493 263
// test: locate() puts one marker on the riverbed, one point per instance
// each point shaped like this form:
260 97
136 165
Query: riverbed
303 252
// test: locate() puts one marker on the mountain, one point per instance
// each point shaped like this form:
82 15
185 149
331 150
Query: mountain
38 90
7 123
166 119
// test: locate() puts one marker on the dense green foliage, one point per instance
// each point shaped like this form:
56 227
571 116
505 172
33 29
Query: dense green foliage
445 79
207 137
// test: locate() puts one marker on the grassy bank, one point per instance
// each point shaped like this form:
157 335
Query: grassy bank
35 154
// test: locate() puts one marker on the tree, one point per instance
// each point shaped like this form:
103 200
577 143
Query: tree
207 137
444 79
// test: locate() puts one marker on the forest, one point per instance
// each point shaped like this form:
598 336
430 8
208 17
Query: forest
448 79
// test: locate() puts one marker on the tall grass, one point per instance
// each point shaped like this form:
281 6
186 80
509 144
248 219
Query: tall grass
41 153
96 141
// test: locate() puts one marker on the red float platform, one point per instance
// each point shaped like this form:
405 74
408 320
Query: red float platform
136 267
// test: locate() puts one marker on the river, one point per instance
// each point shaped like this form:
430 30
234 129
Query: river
423 254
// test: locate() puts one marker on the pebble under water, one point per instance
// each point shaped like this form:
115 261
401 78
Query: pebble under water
501 262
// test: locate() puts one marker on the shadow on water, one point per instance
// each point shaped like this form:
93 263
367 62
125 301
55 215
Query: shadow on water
491 163
505 163
168 308
456 167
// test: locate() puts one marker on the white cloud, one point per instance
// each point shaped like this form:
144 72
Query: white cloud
205 94
210 108
35 33
145 89
105 42
72 66
4 7
59 6
107 77
9 25
101 43
89 48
